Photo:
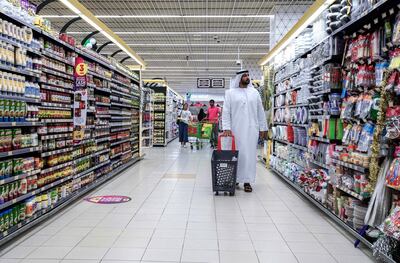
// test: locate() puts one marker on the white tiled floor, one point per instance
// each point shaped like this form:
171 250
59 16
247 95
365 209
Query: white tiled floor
174 217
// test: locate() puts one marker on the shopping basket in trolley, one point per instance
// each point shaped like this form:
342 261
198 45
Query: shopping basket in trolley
194 135
224 168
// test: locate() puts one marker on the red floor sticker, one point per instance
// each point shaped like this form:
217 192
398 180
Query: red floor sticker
108 199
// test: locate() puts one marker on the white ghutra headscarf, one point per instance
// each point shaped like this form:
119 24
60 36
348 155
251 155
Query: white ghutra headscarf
235 82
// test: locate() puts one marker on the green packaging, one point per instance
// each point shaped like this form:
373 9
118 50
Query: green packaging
2 222
6 220
6 108
12 108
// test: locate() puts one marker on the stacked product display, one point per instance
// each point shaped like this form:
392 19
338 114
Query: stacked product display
147 117
328 131
167 105
43 165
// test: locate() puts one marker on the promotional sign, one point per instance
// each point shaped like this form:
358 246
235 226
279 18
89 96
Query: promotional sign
80 99
108 199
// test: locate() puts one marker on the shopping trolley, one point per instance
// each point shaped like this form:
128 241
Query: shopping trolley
224 168
194 135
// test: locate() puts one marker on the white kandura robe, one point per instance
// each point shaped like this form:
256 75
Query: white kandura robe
244 115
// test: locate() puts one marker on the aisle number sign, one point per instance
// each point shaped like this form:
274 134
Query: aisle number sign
81 69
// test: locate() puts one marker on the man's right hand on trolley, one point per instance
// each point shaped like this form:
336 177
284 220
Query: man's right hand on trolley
227 133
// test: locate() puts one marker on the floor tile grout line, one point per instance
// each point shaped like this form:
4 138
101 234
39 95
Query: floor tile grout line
284 240
158 183
190 206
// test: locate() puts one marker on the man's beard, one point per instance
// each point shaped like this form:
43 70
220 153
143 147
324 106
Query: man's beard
245 82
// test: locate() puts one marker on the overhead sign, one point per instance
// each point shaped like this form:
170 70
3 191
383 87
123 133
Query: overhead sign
203 83
207 83
108 199
218 83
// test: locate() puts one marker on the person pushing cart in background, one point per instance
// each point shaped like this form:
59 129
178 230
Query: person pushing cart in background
213 114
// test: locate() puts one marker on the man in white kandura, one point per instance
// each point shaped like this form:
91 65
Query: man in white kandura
244 117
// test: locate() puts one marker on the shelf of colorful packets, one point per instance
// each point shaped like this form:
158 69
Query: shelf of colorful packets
25 214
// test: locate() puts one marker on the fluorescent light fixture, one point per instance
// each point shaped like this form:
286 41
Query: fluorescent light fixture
309 16
195 53
86 15
176 33
164 16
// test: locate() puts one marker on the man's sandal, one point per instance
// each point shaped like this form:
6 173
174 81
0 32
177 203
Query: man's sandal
247 188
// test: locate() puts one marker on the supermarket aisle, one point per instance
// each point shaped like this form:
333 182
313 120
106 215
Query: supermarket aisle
174 217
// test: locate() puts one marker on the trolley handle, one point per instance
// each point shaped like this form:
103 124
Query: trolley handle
220 145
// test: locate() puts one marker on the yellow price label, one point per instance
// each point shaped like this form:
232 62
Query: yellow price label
81 69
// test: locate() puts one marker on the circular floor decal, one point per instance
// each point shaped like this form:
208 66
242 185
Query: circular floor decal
108 199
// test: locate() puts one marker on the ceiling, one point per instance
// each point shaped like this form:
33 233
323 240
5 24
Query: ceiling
180 40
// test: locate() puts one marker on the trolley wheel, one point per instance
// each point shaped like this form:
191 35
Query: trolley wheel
225 193
231 193
216 193
191 147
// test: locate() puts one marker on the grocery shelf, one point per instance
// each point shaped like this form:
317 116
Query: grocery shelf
121 93
97 75
320 139
59 88
102 89
20 124
19 152
56 105
350 165
103 116
56 167
121 105
120 129
319 163
24 72
56 120
19 177
56 73
22 98
56 57
119 154
350 192
121 118
119 124
119 142
102 103
91 169
120 83
64 150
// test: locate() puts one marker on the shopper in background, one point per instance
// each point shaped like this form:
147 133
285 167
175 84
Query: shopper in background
213 116
184 119
201 115
244 117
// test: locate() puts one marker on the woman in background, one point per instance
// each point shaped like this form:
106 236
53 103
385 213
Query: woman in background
184 120
201 115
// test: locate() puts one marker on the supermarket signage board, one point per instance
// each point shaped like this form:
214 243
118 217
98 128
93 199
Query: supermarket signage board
207 83
218 83
203 83
108 199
